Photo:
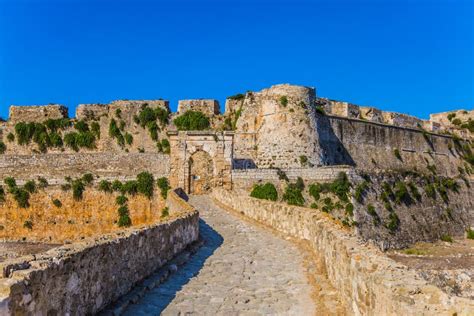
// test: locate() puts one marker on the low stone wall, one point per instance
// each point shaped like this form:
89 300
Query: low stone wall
82 278
369 282
55 167
245 179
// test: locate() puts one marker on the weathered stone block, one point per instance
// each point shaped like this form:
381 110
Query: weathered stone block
207 106
37 113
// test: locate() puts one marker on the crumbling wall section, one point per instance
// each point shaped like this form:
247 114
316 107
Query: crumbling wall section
37 113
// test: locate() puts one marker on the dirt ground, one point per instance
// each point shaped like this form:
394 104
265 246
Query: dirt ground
437 256
10 250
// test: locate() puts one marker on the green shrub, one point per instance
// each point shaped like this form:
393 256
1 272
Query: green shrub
371 211
55 140
10 183
114 130
164 186
70 139
303 160
30 186
57 203
320 110
78 188
153 130
300 183
3 147
81 126
124 216
66 187
446 238
284 100
11 137
2 194
192 120
315 190
128 138
451 116
314 205
396 152
341 186
118 113
145 116
88 178
238 96
401 193
349 209
470 233
165 212
130 187
393 222
456 122
117 186
162 115
293 195
165 145
430 190
145 184
95 129
360 191
105 186
28 224
22 197
265 191
282 175
414 191
121 200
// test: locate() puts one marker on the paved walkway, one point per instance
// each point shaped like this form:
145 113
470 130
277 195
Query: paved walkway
241 269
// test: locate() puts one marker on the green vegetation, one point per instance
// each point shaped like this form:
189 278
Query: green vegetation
121 200
396 152
470 233
81 126
164 146
192 121
78 189
124 216
3 147
293 194
95 129
451 116
265 191
360 191
11 137
145 184
80 140
282 175
320 110
371 211
164 186
57 203
446 238
349 209
128 139
315 191
430 190
2 194
303 160
115 132
118 113
28 224
414 191
456 122
393 222
238 96
284 100
401 193
30 186
165 212
88 178
105 186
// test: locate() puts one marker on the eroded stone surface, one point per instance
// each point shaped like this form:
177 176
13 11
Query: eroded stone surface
240 269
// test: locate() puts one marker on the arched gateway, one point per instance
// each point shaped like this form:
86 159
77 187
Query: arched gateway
200 160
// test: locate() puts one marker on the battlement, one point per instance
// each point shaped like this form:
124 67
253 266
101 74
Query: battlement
207 106
97 110
37 113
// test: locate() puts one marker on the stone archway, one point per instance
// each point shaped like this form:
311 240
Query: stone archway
201 173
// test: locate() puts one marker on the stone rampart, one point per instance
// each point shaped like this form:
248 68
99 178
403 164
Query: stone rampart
369 282
209 107
84 277
54 167
37 113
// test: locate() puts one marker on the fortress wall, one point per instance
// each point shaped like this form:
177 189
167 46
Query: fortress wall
54 167
368 282
37 113
371 146
84 277
209 107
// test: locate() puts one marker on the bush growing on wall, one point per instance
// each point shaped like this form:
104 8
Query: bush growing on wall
124 216
3 147
2 194
30 186
145 183
164 186
105 186
284 100
192 121
293 195
78 189
265 191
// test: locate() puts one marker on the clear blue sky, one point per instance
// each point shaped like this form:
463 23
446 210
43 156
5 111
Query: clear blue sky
415 57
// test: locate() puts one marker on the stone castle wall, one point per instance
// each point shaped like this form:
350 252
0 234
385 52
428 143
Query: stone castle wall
369 282
371 146
55 167
37 113
84 277
207 106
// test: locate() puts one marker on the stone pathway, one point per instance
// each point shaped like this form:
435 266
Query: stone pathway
240 270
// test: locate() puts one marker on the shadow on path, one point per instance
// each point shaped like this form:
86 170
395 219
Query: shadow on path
155 301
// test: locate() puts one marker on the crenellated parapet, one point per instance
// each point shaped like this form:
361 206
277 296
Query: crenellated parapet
209 107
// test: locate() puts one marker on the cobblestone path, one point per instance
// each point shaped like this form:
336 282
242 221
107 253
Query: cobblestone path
241 269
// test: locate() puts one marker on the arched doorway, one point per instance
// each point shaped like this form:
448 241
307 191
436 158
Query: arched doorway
200 172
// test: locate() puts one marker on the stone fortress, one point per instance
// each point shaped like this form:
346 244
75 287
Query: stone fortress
280 135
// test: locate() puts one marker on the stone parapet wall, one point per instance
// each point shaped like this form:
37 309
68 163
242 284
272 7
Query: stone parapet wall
54 167
369 282
207 106
37 113
84 277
